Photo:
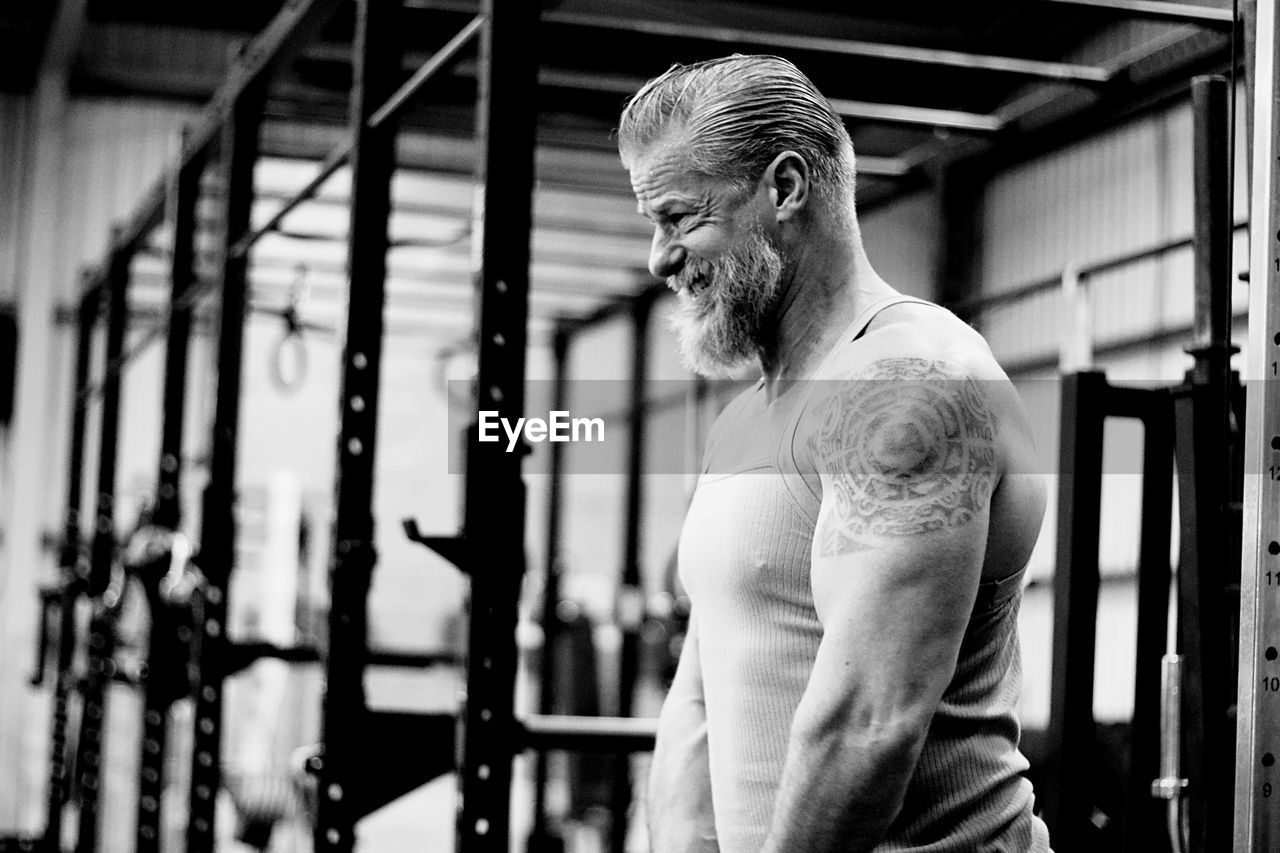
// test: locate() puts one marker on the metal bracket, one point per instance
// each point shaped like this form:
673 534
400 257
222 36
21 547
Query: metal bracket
456 549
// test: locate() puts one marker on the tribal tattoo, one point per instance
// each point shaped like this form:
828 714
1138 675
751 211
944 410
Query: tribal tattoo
909 445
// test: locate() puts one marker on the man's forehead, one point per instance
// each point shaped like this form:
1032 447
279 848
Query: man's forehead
660 177
658 166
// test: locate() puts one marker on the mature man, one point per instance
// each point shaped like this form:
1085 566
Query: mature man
855 546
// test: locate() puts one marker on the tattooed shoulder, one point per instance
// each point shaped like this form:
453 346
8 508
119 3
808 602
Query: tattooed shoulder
908 446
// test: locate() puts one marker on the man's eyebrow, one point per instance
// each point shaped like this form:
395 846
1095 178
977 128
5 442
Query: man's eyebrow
663 206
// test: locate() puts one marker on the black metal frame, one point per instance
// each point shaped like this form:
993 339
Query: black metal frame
1087 401
167 654
376 57
98 574
1192 424
216 557
74 570
103 587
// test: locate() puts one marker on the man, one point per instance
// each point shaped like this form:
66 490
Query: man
854 550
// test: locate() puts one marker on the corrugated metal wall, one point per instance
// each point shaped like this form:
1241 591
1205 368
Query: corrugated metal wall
1126 191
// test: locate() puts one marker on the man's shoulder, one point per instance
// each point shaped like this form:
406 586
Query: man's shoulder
918 360
914 339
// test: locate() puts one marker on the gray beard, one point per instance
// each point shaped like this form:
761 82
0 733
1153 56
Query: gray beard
728 323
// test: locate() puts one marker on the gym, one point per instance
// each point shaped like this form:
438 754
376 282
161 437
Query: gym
290 559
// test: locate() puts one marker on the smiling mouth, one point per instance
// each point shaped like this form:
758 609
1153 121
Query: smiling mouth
694 286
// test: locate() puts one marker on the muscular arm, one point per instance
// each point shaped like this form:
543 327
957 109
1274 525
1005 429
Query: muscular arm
906 454
679 806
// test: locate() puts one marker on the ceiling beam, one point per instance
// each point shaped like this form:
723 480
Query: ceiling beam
1159 10
902 114
1061 72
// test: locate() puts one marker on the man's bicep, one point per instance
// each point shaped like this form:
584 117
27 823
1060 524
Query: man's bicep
906 452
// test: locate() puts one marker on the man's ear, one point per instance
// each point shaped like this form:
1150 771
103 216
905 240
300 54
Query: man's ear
788 180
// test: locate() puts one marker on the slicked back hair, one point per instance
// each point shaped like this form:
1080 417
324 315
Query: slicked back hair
735 115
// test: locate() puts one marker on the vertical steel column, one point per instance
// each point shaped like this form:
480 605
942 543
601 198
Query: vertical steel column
1068 803
1257 783
541 839
494 512
164 656
184 198
1207 580
376 65
1210 99
105 596
74 575
959 202
239 149
1143 826
631 595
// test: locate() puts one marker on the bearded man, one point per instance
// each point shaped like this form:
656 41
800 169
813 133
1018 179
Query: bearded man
855 547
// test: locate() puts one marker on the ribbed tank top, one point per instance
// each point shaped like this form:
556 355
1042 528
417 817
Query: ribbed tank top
744 559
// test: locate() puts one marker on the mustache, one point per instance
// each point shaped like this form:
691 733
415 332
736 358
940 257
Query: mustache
695 271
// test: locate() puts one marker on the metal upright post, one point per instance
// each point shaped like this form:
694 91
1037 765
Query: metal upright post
74 576
1257 785
494 513
186 193
631 595
1143 817
1075 610
541 839
376 64
218 529
101 589
1204 444
164 656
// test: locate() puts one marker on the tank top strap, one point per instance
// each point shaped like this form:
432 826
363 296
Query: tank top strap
869 314
808 493
864 318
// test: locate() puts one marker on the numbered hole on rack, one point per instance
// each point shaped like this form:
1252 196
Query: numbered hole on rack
1271 653
482 827
1275 442
1268 759
1273 548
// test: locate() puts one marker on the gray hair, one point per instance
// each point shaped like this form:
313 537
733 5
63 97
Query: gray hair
739 112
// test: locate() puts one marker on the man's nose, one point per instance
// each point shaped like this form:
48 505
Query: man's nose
665 257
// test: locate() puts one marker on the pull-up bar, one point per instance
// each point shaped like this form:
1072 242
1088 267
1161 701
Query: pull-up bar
129 238
275 46
394 106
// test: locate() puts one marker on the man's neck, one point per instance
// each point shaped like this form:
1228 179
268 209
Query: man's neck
832 283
